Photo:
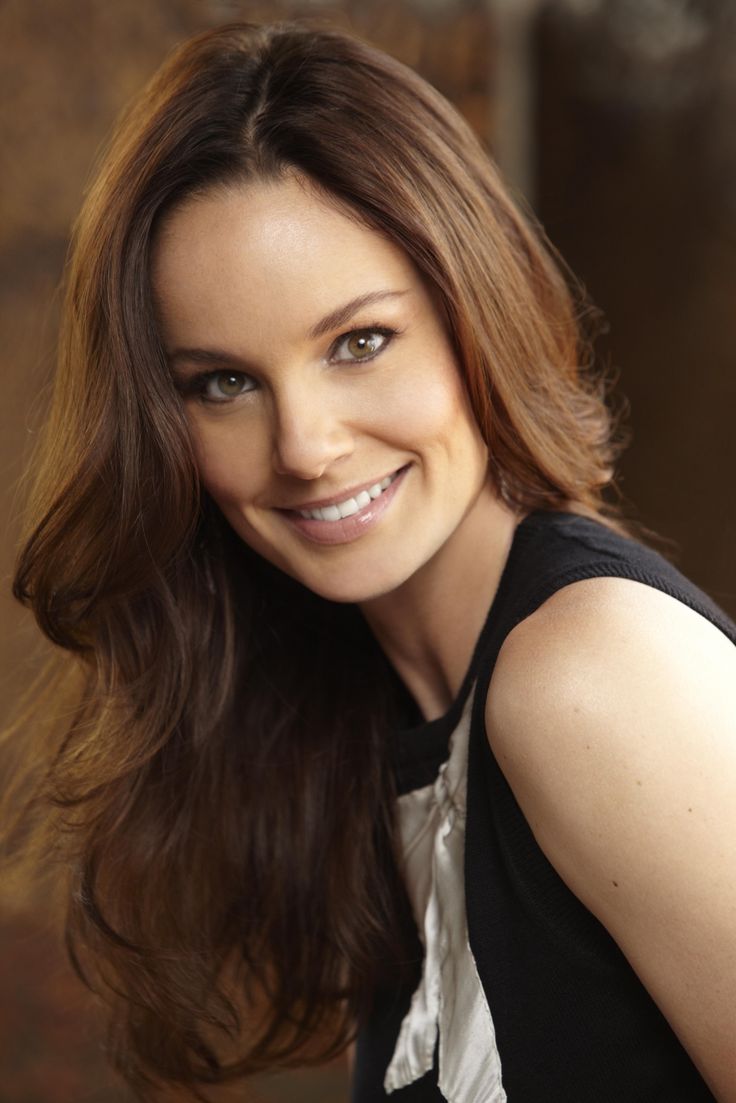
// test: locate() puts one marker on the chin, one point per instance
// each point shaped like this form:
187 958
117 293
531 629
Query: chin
347 594
346 590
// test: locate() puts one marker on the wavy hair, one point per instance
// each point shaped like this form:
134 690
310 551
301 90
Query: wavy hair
219 785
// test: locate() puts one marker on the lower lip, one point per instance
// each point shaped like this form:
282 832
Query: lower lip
350 528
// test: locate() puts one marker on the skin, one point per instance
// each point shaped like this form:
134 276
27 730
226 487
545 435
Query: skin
621 746
621 751
243 275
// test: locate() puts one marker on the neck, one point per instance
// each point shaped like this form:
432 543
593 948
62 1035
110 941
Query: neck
429 626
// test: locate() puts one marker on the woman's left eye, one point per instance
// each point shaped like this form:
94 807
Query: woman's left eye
361 344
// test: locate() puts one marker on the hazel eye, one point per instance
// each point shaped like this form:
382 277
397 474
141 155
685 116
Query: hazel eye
361 344
222 386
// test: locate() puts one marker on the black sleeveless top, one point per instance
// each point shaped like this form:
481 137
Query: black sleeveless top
573 1022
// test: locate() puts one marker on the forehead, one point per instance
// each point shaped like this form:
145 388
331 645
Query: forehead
266 247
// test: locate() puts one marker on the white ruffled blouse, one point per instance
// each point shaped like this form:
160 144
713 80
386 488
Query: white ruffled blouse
449 999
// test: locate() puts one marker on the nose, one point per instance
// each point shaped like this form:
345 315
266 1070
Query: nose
309 435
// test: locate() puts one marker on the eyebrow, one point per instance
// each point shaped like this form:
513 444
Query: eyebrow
344 313
331 321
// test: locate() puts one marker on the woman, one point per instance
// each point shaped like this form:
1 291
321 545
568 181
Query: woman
320 520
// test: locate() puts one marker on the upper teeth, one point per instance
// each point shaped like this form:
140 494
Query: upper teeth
350 505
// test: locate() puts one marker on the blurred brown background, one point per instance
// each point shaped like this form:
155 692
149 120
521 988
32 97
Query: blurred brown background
613 119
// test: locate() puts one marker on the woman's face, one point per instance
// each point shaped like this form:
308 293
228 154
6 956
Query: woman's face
328 416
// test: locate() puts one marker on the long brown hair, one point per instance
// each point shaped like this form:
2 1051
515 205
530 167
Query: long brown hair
220 787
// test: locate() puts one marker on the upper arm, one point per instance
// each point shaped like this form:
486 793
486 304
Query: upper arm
612 712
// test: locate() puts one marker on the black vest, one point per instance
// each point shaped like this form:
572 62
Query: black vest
573 1022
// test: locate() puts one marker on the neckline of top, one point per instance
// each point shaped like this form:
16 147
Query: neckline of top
420 749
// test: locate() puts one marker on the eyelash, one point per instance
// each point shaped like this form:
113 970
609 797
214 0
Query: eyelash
196 386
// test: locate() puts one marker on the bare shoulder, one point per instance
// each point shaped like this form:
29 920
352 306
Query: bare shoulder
604 648
607 680
612 712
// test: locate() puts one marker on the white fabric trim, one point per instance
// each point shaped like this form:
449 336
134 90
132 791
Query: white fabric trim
450 997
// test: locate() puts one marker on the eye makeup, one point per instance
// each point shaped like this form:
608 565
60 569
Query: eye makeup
235 384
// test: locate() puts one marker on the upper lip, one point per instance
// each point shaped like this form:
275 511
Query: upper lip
342 495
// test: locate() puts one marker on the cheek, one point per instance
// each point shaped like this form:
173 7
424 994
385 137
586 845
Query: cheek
431 407
229 463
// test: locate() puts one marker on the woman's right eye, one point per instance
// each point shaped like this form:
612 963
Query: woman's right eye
224 386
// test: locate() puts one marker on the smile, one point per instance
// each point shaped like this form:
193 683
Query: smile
349 506
347 519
